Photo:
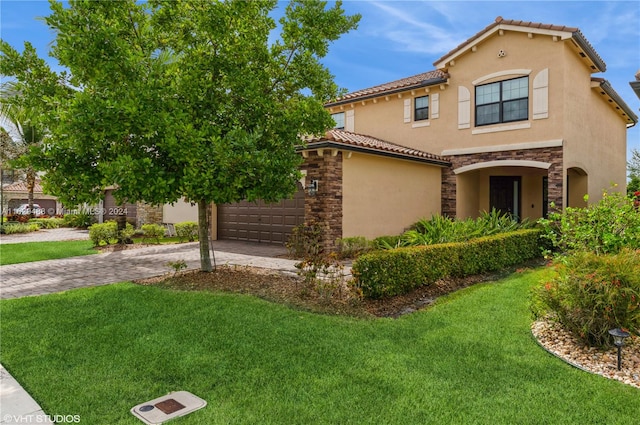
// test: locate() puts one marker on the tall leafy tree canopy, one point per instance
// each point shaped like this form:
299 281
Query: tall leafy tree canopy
180 98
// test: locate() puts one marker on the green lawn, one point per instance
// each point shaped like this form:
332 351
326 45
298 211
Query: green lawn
469 359
37 251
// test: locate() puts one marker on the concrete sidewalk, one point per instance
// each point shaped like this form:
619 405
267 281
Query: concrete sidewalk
46 277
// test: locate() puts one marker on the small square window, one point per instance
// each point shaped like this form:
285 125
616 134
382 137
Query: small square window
339 120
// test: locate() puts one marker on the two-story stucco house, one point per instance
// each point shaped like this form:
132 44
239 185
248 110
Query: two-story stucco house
511 119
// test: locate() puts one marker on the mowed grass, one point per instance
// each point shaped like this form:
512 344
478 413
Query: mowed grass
26 252
469 359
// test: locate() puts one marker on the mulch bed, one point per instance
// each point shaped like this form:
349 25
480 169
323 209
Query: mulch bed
293 291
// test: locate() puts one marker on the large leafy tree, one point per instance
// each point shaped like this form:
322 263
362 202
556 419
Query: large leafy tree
194 99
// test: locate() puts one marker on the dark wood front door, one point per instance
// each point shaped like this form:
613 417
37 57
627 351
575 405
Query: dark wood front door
504 194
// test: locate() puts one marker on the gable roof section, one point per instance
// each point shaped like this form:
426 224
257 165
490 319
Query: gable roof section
346 140
416 81
584 48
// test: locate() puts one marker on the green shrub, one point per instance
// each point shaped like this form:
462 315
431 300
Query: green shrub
398 271
104 234
12 228
48 223
306 240
153 231
354 246
81 220
439 229
127 233
590 294
187 230
605 227
387 242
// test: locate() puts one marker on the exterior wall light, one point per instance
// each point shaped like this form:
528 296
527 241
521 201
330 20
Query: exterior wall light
312 189
618 340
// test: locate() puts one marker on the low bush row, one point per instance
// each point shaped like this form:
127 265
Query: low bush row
48 223
107 233
12 228
398 271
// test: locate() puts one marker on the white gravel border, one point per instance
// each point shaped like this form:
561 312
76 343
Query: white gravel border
557 341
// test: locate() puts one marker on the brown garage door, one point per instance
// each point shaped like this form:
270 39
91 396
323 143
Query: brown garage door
259 221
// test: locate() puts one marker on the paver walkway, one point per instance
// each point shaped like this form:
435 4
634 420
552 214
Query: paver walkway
46 277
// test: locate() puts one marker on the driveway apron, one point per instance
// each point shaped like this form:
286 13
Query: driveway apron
46 277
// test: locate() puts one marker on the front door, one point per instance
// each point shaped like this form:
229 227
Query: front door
504 194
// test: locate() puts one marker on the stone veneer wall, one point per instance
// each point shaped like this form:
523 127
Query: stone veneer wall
147 213
549 155
326 205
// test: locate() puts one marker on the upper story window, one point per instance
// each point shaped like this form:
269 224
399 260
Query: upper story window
339 120
421 108
504 101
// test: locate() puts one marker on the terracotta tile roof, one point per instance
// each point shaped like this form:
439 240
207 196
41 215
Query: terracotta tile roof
576 35
358 142
22 187
419 80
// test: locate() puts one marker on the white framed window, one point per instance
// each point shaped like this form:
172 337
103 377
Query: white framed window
502 101
338 118
421 108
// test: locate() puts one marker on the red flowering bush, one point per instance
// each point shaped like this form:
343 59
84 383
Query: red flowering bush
590 294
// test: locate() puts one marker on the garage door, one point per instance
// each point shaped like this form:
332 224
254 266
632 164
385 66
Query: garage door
259 221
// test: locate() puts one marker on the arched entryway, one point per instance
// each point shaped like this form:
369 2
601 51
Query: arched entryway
576 187
519 188
524 182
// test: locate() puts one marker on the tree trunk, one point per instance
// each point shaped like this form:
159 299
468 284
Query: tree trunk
203 236
121 221
31 183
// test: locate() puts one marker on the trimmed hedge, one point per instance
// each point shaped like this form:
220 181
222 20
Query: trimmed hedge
398 271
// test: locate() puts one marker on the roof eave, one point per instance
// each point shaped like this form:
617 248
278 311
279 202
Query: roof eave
608 89
582 42
635 85
422 84
331 144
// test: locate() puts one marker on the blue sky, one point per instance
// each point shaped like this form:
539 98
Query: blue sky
397 39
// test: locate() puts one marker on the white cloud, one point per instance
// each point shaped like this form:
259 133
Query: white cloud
409 28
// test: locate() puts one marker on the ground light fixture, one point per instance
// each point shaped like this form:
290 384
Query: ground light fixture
618 340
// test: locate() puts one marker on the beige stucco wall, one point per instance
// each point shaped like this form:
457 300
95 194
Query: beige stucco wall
179 212
524 56
595 135
383 196
592 133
